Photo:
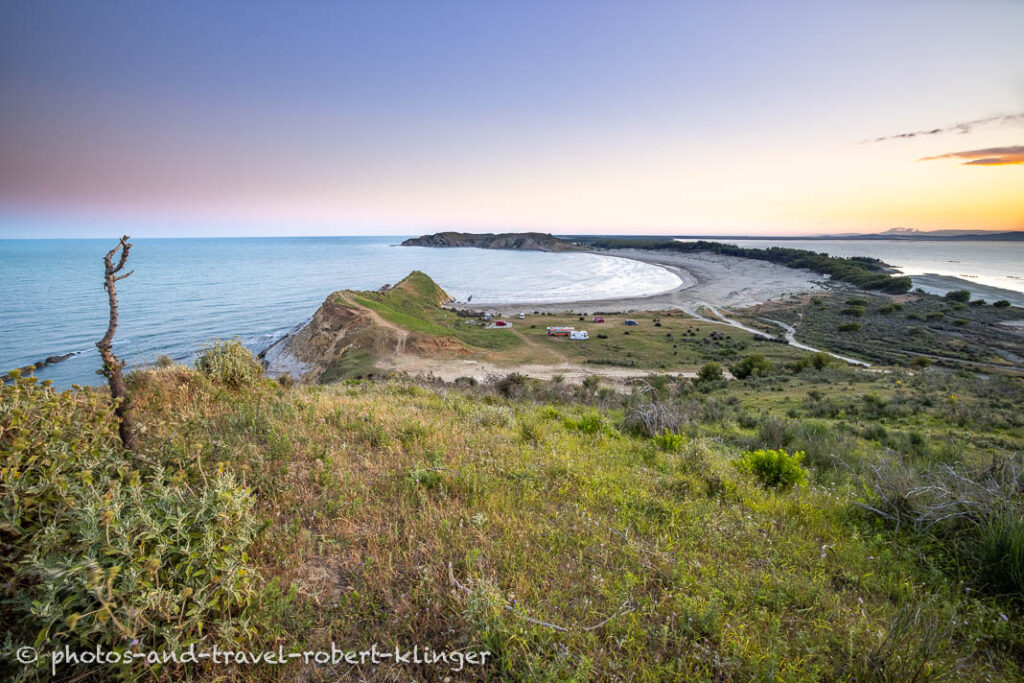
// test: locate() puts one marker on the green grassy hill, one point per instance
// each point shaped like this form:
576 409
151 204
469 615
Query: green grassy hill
575 533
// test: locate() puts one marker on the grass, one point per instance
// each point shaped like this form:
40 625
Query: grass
668 341
894 332
461 518
661 341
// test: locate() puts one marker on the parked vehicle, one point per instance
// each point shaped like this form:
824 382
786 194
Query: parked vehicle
579 334
598 319
500 323
557 331
632 322
522 316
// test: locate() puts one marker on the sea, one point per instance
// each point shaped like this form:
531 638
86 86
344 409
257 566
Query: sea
186 292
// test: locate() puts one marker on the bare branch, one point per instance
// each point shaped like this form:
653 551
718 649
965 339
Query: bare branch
112 365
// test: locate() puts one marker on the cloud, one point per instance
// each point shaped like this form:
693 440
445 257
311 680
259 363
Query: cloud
993 156
965 127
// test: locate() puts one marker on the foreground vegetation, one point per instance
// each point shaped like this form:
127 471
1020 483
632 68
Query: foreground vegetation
813 524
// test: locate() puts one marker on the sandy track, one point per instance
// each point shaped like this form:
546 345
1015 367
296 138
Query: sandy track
451 369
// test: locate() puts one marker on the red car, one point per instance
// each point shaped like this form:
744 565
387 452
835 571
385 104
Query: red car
500 323
598 319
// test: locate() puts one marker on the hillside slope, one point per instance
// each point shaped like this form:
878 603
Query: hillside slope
531 521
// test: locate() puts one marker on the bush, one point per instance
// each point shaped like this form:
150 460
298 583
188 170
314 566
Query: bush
920 362
588 423
998 550
773 432
669 441
164 361
961 295
229 363
849 327
1002 303
98 550
821 443
856 311
755 364
774 469
512 385
856 302
818 361
710 372
977 514
651 418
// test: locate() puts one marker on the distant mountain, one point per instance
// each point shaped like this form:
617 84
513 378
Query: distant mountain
530 241
958 235
909 234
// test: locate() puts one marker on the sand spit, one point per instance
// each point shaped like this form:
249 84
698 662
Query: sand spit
708 280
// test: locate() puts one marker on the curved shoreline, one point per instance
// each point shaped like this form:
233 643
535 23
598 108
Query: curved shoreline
706 280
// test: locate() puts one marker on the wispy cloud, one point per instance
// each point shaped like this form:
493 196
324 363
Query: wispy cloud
993 156
965 127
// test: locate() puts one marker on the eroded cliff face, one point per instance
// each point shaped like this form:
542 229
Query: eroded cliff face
528 241
338 327
346 338
334 327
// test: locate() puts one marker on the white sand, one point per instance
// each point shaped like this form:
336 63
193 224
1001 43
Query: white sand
708 280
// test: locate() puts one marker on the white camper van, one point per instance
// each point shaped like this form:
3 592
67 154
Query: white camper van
579 334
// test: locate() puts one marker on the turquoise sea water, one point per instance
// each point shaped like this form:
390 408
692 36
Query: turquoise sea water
187 291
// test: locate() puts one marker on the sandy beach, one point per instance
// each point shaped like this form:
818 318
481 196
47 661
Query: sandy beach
712 285
713 280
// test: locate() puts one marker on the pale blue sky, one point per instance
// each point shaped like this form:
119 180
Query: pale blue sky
404 117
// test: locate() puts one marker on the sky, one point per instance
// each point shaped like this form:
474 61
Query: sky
202 118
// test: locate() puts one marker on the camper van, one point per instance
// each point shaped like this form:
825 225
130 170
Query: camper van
579 334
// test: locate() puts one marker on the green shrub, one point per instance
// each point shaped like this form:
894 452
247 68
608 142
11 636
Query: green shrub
1002 303
856 302
920 362
961 295
755 364
819 361
588 423
100 550
229 363
513 385
891 308
821 443
856 311
849 327
774 468
164 361
773 432
710 372
998 551
669 441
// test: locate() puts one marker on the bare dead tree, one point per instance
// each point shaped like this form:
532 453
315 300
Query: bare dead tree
112 365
